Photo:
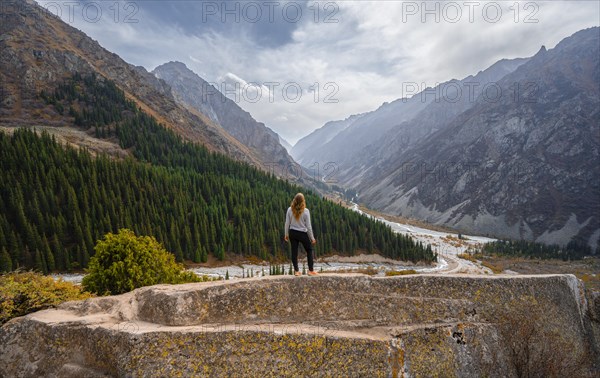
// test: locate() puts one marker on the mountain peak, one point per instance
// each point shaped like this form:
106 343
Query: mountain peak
542 50
173 64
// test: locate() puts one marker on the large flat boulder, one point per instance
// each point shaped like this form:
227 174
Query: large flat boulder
329 325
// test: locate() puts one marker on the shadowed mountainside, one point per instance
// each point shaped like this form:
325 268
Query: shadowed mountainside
192 91
523 165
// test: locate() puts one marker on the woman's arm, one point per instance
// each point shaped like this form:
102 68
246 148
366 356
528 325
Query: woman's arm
311 236
287 223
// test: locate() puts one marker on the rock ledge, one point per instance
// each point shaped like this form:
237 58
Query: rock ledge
330 325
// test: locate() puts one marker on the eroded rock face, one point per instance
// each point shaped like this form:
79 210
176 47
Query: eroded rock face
330 325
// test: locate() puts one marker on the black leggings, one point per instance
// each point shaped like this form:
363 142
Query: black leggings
301 237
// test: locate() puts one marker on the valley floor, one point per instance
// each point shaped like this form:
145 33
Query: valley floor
446 243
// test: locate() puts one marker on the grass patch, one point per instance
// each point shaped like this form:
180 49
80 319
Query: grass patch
590 280
477 257
585 269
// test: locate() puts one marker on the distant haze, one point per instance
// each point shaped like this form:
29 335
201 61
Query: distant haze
344 57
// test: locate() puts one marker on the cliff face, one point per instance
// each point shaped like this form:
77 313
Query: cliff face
349 325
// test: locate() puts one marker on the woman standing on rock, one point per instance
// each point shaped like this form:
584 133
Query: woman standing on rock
299 230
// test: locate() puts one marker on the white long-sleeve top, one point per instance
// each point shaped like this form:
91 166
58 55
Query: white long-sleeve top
302 224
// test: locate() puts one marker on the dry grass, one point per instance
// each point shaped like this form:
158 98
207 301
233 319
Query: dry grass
467 256
454 241
391 273
587 270
478 258
368 271
494 268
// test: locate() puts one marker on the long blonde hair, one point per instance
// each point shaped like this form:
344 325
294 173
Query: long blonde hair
298 205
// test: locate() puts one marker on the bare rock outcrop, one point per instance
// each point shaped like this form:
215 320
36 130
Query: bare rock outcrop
330 325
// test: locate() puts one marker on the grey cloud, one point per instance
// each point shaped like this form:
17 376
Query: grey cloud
268 23
369 53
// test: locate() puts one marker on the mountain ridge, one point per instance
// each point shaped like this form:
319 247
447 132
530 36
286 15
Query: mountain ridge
528 162
194 92
355 145
403 172
39 50
320 137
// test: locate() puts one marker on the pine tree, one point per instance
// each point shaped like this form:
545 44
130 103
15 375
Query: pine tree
39 262
204 255
197 255
5 261
49 257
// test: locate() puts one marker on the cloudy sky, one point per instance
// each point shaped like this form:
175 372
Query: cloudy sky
299 64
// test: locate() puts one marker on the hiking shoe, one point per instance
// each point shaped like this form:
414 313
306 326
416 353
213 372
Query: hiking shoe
298 274
313 273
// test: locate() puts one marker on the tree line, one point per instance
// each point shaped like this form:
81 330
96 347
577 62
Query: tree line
574 250
57 201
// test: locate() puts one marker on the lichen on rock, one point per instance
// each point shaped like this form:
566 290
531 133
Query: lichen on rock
330 325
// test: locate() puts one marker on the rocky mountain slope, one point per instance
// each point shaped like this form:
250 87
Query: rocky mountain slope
194 92
308 150
362 131
420 325
285 144
39 51
523 164
442 104
359 143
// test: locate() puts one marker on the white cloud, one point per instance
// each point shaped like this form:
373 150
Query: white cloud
198 61
368 54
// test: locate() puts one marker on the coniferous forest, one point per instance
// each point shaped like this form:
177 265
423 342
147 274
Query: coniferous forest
521 248
57 201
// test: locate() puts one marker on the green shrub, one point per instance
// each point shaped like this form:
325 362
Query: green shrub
124 261
24 292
